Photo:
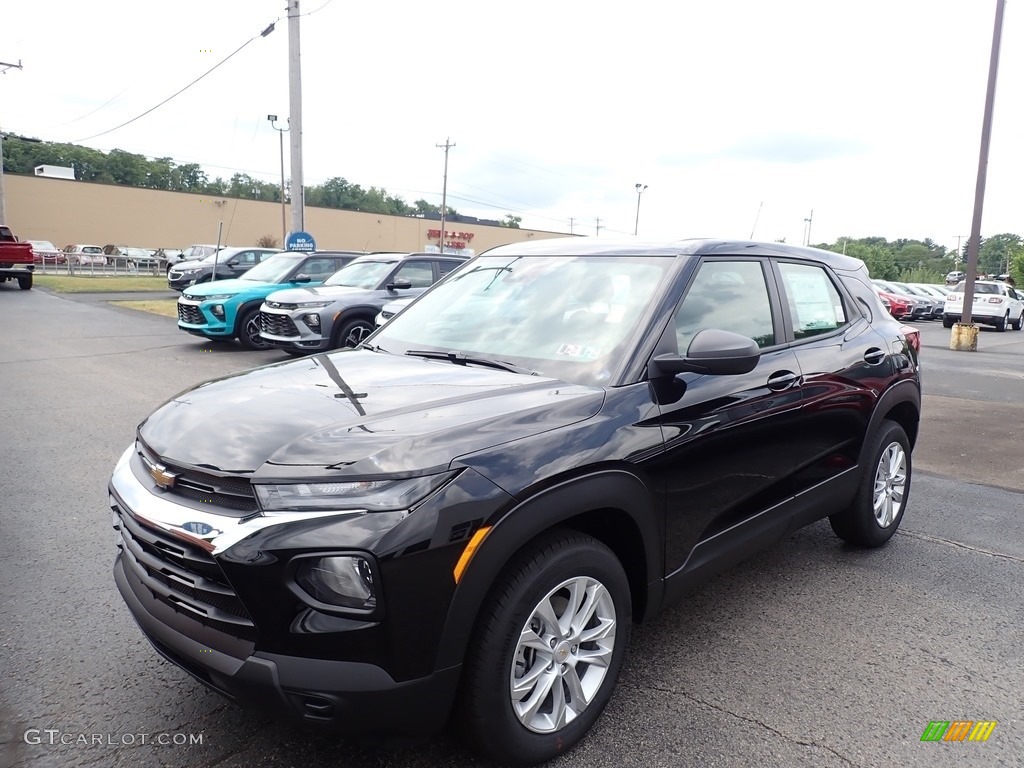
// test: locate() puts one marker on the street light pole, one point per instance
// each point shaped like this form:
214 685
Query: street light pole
295 121
639 191
284 210
444 189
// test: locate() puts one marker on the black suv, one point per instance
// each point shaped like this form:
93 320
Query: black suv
468 511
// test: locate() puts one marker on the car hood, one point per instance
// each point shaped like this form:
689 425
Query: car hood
325 293
224 286
358 413
195 264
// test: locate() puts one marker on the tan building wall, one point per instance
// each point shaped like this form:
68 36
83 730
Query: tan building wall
65 212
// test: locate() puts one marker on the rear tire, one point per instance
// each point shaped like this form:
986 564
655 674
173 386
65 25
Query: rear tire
25 282
249 331
547 650
947 322
877 509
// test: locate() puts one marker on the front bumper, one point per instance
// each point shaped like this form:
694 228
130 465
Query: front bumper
289 329
349 696
197 318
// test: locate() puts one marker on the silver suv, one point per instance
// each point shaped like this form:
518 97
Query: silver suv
341 312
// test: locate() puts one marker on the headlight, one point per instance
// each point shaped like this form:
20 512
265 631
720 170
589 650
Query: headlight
375 495
217 297
313 304
190 271
344 580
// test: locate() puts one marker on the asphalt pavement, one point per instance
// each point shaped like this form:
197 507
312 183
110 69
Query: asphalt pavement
810 654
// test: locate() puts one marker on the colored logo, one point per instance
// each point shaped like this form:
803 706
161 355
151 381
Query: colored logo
958 730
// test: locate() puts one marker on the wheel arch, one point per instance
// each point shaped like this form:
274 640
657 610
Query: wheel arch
614 507
366 312
902 404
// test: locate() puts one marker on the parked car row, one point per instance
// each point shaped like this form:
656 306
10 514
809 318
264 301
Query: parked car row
302 302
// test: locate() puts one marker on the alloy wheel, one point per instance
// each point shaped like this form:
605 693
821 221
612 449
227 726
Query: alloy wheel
563 654
890 484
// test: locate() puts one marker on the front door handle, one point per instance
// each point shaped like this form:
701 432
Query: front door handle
781 380
874 356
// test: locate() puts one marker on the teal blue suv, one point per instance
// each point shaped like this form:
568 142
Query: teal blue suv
228 309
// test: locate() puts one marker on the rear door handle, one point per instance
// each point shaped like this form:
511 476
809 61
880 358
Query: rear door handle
874 356
781 380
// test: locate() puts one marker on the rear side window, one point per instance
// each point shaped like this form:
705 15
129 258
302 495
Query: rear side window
815 305
729 296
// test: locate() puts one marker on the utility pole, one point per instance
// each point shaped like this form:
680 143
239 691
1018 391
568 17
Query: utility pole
4 66
295 121
280 136
965 335
597 227
808 221
444 189
571 220
639 191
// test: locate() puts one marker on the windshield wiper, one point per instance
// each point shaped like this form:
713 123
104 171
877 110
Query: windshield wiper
377 348
460 358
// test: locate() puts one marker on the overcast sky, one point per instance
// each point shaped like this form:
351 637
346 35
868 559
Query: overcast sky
740 117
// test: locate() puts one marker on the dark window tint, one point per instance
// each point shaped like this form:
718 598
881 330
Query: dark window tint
814 304
730 296
444 267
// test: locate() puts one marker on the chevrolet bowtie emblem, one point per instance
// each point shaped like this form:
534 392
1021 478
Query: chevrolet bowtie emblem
162 477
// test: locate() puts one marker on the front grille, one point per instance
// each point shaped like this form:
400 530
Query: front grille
277 325
190 314
182 575
224 492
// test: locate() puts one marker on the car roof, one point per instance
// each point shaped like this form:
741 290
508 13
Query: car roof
597 246
403 255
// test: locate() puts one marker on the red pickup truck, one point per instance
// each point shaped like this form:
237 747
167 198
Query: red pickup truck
16 261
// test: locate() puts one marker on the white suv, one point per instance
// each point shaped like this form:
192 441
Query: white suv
994 304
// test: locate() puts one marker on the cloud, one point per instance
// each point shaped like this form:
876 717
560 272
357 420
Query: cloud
792 149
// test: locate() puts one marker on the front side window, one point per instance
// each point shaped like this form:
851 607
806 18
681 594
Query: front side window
419 273
729 296
815 305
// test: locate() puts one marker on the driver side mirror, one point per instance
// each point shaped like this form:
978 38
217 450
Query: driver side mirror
398 284
711 352
302 279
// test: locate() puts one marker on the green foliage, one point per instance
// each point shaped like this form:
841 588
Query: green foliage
996 252
922 275
22 155
511 221
925 260
1017 268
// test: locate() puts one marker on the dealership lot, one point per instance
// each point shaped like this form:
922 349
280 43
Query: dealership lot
809 654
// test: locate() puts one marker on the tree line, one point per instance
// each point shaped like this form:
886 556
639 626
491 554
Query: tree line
925 261
22 155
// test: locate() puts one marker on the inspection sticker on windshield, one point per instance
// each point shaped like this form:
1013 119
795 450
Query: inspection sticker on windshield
578 351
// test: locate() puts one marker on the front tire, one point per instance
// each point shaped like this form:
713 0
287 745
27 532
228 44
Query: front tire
249 331
1001 322
1019 322
548 649
353 333
877 509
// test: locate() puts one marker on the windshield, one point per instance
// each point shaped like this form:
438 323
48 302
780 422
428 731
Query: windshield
361 274
274 269
572 318
92 249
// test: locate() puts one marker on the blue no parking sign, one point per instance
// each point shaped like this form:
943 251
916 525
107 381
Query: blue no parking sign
300 241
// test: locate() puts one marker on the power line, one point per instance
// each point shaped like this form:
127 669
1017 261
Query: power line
264 33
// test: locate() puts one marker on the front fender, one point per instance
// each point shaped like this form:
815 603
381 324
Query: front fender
612 489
